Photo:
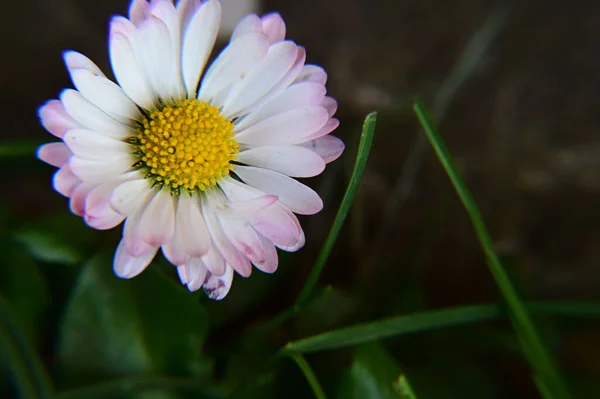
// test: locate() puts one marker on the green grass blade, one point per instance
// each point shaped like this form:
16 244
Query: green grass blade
404 388
539 357
433 319
309 374
364 147
29 374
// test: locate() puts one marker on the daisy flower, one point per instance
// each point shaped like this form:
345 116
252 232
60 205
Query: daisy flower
197 161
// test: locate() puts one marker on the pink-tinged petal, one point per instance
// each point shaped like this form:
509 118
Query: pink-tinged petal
328 147
233 257
195 273
88 144
78 197
138 11
130 196
290 160
127 265
234 62
247 25
288 128
98 212
158 222
276 64
276 222
132 232
214 262
329 127
74 60
93 171
174 254
217 287
129 73
247 208
106 95
295 96
312 73
271 259
191 232
182 272
92 117
296 196
274 27
55 154
330 105
64 181
55 118
198 41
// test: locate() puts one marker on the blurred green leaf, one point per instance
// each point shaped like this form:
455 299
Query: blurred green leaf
20 148
143 326
374 374
309 375
61 238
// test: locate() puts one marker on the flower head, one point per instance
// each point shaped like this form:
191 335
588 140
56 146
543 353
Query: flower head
197 161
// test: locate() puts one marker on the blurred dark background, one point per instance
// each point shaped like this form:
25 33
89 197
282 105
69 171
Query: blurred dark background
514 87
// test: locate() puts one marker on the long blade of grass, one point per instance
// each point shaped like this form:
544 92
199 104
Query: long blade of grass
21 148
364 147
309 375
538 355
29 374
430 320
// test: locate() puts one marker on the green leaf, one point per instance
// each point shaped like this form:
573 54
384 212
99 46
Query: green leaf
20 148
364 147
547 376
61 238
309 375
374 374
143 326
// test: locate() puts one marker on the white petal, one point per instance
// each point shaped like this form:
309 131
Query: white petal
290 160
262 79
196 273
328 147
64 181
295 96
78 196
106 95
198 41
330 105
55 118
130 195
237 260
247 208
99 171
327 128
312 73
234 62
246 240
274 27
75 60
129 74
158 222
185 11
271 260
296 196
290 127
156 55
55 154
214 262
191 232
132 232
92 117
127 266
249 24
217 287
166 12
90 145
174 254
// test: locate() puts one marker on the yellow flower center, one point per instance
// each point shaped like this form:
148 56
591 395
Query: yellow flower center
187 145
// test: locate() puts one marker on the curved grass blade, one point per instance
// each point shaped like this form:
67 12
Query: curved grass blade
539 357
309 374
429 320
364 147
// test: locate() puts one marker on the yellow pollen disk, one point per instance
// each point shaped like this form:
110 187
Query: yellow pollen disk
187 145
